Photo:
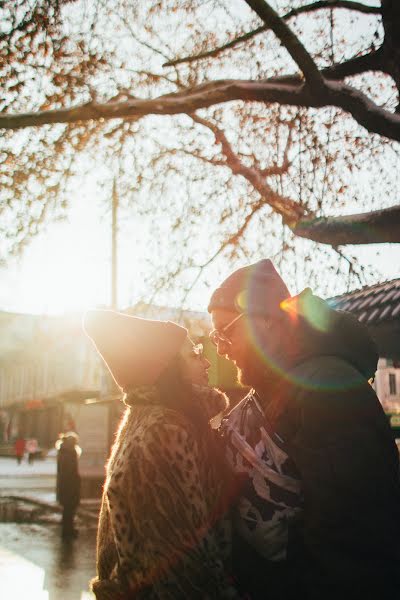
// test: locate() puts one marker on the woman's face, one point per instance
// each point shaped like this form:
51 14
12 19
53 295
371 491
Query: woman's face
194 363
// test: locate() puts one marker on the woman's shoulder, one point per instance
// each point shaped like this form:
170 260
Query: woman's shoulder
165 423
157 435
159 423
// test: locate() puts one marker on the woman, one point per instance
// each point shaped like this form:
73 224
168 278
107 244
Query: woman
68 481
162 532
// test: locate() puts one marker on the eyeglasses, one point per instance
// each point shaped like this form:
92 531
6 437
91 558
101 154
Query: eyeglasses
220 337
197 350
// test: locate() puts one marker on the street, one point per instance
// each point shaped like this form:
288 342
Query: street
37 480
34 562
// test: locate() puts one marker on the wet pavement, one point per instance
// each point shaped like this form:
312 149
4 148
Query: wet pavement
36 564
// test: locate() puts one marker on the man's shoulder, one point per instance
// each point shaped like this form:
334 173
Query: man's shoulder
323 364
326 374
329 391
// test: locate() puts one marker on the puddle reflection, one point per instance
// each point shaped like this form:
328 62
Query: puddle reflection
39 566
20 578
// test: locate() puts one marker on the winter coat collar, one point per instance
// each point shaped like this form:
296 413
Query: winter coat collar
213 401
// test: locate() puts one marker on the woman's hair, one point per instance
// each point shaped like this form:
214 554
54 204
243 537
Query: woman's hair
176 392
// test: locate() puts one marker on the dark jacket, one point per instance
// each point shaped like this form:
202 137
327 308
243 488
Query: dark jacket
345 540
68 479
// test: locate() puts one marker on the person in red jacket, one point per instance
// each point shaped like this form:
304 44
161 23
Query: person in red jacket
19 448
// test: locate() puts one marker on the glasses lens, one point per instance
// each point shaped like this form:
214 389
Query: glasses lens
198 349
218 337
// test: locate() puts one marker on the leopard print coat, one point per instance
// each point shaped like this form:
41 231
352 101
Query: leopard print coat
161 534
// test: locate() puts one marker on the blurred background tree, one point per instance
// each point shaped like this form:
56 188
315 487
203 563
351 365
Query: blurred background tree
233 129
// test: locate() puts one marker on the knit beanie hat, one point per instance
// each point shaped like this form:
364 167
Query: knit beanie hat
255 289
135 350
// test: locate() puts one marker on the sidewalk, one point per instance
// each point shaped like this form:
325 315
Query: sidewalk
37 480
10 468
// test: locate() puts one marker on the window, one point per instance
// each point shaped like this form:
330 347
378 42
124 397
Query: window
392 384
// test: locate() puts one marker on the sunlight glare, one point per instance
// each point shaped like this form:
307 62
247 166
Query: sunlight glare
20 578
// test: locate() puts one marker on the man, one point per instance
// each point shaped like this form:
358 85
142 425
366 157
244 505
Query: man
317 511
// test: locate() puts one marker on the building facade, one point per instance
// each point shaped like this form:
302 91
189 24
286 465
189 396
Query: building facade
378 307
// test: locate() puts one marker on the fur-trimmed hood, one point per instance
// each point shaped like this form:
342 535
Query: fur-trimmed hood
213 401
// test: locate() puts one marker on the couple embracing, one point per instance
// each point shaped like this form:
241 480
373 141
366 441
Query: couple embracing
295 495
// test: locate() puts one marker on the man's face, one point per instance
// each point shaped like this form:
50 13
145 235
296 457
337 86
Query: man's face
240 350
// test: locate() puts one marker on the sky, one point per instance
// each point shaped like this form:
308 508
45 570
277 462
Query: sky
68 267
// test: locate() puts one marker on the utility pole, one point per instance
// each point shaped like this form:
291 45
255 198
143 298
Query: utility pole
114 246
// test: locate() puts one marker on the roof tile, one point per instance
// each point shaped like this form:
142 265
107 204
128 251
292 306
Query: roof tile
372 304
396 311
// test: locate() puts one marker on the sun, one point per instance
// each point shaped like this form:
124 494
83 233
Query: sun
61 274
65 269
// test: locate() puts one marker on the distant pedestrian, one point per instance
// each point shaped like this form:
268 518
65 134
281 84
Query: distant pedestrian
19 449
68 481
31 448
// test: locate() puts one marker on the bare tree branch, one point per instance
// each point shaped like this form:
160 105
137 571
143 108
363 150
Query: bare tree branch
376 227
391 23
290 41
211 161
352 270
156 76
218 50
288 209
372 61
333 4
322 4
235 238
365 111
274 170
145 44
232 240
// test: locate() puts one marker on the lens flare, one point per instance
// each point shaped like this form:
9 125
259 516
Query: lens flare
306 336
315 311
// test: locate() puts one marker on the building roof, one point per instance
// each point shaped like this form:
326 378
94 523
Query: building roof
372 305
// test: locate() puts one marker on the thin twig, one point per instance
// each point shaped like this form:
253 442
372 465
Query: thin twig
290 41
355 6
